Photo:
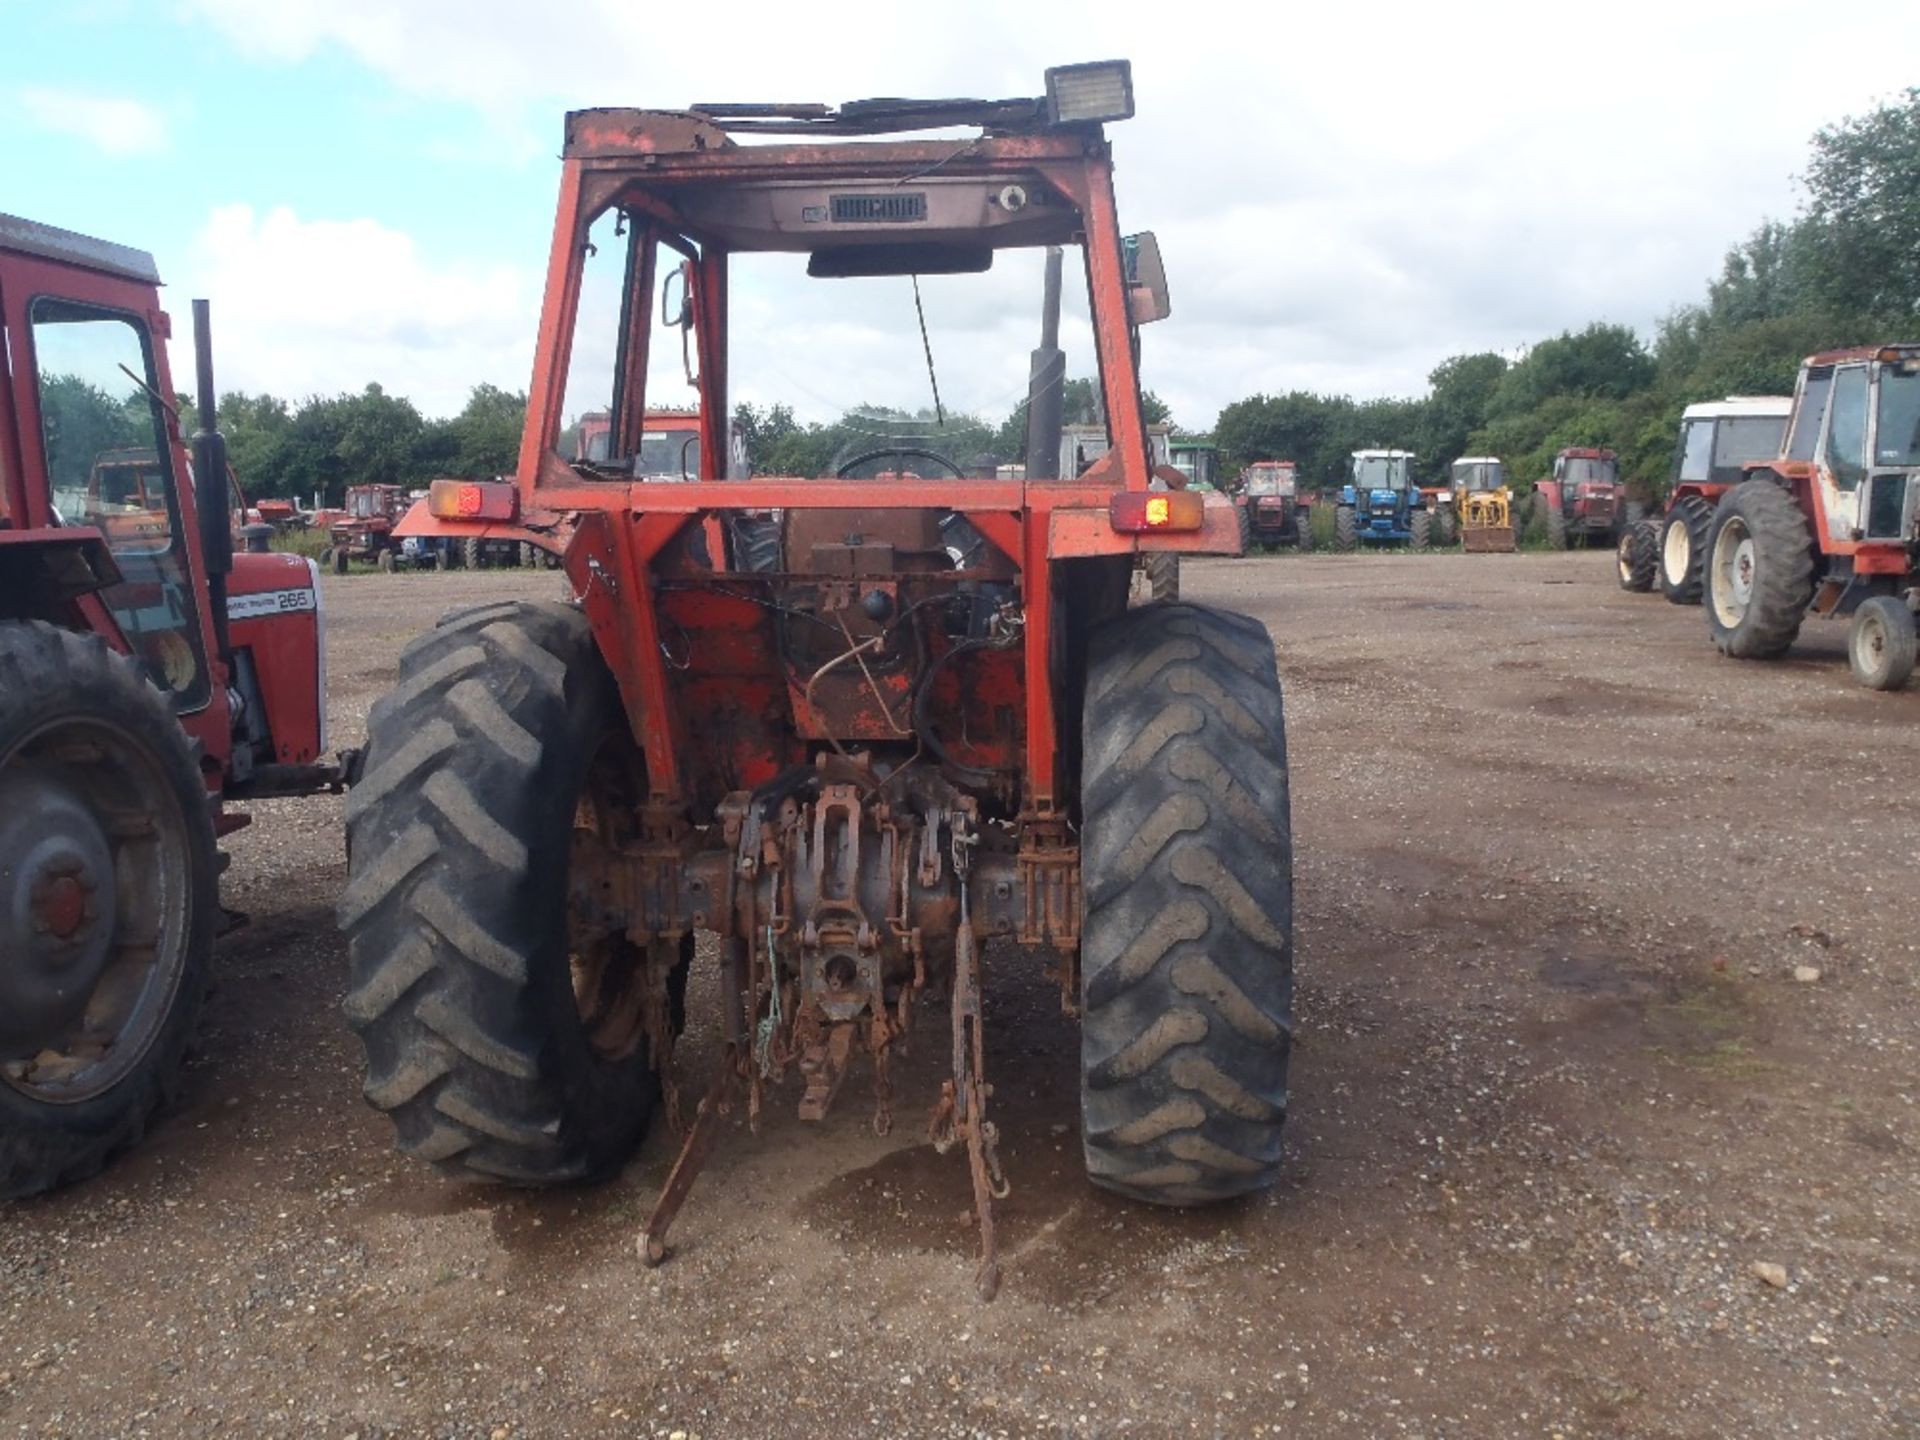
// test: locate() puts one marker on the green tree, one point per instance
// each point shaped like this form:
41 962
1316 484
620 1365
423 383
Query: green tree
1461 390
484 437
1863 194
1603 360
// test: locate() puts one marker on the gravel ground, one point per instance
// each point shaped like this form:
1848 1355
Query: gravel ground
1605 1110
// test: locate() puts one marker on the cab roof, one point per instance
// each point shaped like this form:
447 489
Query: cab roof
1770 407
1894 351
49 242
930 203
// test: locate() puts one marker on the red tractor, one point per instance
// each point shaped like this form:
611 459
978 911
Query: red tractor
366 531
1831 527
148 676
1585 501
1273 512
921 723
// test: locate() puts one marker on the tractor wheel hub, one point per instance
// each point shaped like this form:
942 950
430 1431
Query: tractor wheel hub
57 894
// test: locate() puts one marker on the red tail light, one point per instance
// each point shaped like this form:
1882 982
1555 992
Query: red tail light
1136 511
473 500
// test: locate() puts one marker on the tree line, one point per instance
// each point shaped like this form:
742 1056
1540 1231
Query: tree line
327 442
1845 271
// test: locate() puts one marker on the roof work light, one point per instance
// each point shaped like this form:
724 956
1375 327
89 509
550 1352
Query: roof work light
1089 94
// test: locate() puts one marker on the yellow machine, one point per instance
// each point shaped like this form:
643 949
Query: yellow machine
1484 504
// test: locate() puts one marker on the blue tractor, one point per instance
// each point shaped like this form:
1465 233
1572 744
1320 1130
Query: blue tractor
1379 503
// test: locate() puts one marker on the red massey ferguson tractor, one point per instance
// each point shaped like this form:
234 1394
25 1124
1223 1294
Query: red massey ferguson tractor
148 676
1831 527
918 739
1585 501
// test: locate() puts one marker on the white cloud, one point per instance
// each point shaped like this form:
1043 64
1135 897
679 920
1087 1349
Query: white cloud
1346 195
114 125
321 306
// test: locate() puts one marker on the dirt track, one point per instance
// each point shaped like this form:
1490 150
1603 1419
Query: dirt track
1557 1093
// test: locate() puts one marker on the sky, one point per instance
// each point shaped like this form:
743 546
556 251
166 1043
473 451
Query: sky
1344 195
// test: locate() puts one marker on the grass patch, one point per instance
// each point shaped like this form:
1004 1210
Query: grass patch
1729 1059
309 543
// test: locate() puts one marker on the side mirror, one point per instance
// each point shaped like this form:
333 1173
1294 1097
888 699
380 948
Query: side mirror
677 316
680 317
1147 298
738 466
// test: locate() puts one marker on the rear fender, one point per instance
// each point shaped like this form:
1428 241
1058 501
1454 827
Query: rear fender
419 523
273 618
1075 531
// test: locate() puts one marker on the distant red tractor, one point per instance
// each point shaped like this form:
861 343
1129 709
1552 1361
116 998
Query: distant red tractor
1832 526
1273 511
366 534
1584 501
148 677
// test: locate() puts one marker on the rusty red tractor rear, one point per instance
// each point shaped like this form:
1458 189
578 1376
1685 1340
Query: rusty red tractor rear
1832 526
921 723
1585 501
148 675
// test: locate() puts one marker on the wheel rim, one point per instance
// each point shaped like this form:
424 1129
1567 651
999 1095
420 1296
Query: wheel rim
99 876
1677 553
609 978
1735 563
1623 558
1870 643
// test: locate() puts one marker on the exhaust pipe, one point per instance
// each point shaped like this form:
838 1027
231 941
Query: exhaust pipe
1046 382
210 486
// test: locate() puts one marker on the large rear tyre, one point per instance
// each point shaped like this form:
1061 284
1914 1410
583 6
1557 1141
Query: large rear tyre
340 560
1345 531
1245 518
1881 646
506 1032
1759 571
1556 526
473 554
1303 531
1420 525
756 543
1636 559
1683 549
108 896
1187 955
1163 574
1449 527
